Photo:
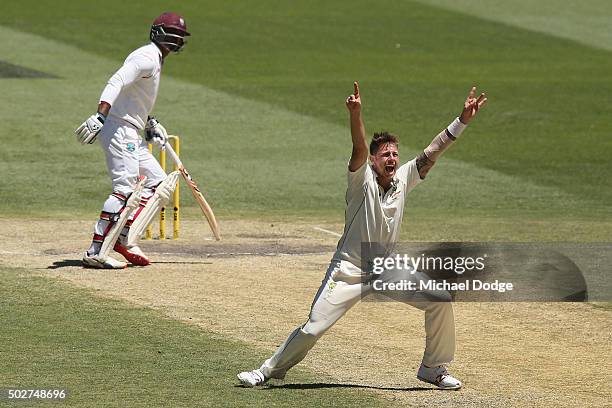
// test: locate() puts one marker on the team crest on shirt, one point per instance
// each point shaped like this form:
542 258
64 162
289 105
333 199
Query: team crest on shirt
395 194
131 147
396 190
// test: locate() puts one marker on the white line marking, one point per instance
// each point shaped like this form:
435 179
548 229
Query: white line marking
327 231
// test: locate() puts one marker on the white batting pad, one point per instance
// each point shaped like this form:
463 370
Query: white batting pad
130 206
160 199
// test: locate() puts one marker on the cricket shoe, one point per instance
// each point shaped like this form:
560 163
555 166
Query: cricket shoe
94 261
134 255
252 378
439 377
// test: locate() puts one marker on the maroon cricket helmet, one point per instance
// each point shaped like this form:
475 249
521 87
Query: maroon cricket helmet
169 31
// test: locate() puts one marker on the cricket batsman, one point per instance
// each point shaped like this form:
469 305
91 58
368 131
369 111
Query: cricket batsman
123 111
377 189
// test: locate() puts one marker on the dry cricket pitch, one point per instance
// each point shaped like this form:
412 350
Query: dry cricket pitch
257 284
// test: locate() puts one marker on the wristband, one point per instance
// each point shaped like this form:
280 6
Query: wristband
101 117
455 128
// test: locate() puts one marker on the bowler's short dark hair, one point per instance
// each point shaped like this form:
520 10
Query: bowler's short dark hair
380 139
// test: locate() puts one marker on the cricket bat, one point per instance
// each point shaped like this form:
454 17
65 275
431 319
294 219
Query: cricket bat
208 212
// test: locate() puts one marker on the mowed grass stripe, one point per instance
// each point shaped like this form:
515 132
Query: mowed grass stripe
586 22
546 122
250 156
110 353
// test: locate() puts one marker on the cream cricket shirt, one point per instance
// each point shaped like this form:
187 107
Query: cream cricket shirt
371 214
132 90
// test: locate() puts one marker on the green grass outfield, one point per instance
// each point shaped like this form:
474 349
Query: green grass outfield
113 354
258 98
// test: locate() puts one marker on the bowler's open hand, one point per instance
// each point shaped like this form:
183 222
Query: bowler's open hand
471 106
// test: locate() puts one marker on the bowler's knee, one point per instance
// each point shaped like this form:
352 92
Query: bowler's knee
316 325
439 308
433 306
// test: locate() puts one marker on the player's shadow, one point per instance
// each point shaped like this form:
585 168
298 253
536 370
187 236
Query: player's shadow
315 386
65 263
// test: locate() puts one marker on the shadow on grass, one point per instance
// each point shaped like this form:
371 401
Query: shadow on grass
8 70
314 386
67 263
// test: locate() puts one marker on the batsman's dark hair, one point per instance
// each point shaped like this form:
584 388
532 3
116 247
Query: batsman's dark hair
380 139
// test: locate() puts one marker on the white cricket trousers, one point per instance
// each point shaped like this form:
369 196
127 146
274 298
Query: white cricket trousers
127 157
341 290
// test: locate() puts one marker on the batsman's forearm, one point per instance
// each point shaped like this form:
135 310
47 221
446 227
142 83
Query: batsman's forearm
104 108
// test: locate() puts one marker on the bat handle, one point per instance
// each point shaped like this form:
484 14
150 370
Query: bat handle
174 156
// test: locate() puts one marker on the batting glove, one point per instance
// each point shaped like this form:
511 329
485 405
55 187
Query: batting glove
87 132
156 133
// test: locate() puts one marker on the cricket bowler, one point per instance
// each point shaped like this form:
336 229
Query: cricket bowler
377 188
123 111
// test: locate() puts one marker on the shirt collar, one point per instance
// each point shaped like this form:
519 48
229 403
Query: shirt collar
159 53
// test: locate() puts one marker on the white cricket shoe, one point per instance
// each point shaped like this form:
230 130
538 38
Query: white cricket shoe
252 378
94 261
439 377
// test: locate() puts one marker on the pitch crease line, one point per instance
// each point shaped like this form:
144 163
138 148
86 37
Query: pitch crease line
327 231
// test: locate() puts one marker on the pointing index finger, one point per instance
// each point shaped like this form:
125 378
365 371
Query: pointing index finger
356 86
